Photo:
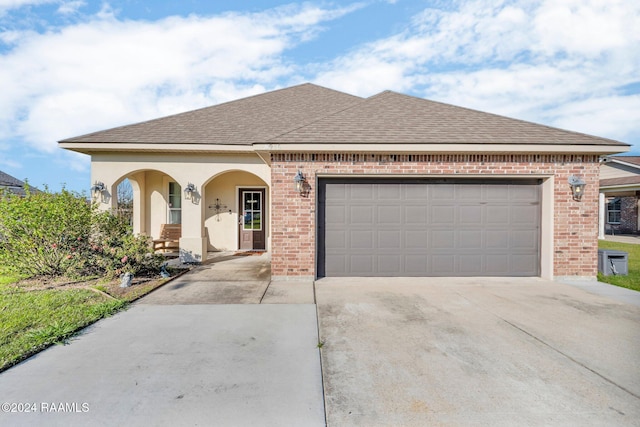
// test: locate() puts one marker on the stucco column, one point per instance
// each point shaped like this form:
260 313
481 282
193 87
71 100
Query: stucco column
601 212
193 247
138 185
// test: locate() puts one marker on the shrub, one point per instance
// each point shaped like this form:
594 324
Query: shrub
55 234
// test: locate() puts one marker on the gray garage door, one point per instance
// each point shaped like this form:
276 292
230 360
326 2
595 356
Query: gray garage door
428 227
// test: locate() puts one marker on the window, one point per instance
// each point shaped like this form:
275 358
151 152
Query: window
252 203
613 211
175 204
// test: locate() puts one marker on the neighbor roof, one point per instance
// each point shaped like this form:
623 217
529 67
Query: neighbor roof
12 184
632 160
310 114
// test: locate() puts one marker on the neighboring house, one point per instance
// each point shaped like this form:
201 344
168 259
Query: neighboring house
393 185
619 195
11 184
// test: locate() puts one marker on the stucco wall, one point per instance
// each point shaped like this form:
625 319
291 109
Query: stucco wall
221 228
569 228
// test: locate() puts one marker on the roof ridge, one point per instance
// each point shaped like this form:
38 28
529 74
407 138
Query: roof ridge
201 109
356 102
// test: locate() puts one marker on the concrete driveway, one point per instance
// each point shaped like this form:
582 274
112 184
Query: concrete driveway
199 351
494 352
224 346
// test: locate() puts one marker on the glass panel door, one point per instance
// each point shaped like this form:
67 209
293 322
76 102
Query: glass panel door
252 210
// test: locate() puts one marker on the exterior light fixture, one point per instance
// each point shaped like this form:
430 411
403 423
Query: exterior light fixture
577 187
189 190
299 182
98 188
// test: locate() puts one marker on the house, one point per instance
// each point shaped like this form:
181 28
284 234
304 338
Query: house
619 195
337 185
11 184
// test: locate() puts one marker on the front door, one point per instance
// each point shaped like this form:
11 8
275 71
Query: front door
251 224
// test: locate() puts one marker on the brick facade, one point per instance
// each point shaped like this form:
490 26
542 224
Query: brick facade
293 224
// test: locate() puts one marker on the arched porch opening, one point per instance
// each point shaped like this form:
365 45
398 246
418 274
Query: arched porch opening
225 216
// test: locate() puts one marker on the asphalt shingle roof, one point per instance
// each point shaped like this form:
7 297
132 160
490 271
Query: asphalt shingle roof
243 122
391 117
627 180
310 114
634 160
12 184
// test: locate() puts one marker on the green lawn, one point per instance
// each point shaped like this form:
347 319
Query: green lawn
33 320
632 281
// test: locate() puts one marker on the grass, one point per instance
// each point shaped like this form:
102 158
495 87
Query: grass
32 319
632 280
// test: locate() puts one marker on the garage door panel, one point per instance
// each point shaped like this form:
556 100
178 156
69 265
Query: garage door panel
388 214
497 215
470 215
361 239
523 239
496 239
442 215
467 193
470 239
469 264
442 192
415 192
416 265
361 215
336 192
336 239
448 227
523 264
390 265
336 215
415 215
495 193
336 265
361 265
361 192
442 264
442 239
523 192
524 214
497 264
415 239
390 239
389 192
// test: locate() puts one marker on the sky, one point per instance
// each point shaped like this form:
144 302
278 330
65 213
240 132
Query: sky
70 67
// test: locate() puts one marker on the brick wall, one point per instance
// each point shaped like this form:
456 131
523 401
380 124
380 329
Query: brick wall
293 221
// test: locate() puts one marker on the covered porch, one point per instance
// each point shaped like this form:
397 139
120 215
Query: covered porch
218 204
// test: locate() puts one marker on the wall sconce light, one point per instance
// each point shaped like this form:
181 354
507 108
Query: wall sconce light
98 188
577 187
189 190
299 182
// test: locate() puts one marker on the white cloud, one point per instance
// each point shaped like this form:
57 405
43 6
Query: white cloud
14 4
107 72
517 58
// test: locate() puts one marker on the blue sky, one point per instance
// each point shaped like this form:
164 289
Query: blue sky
69 67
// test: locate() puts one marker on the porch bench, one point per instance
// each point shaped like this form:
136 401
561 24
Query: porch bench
169 240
